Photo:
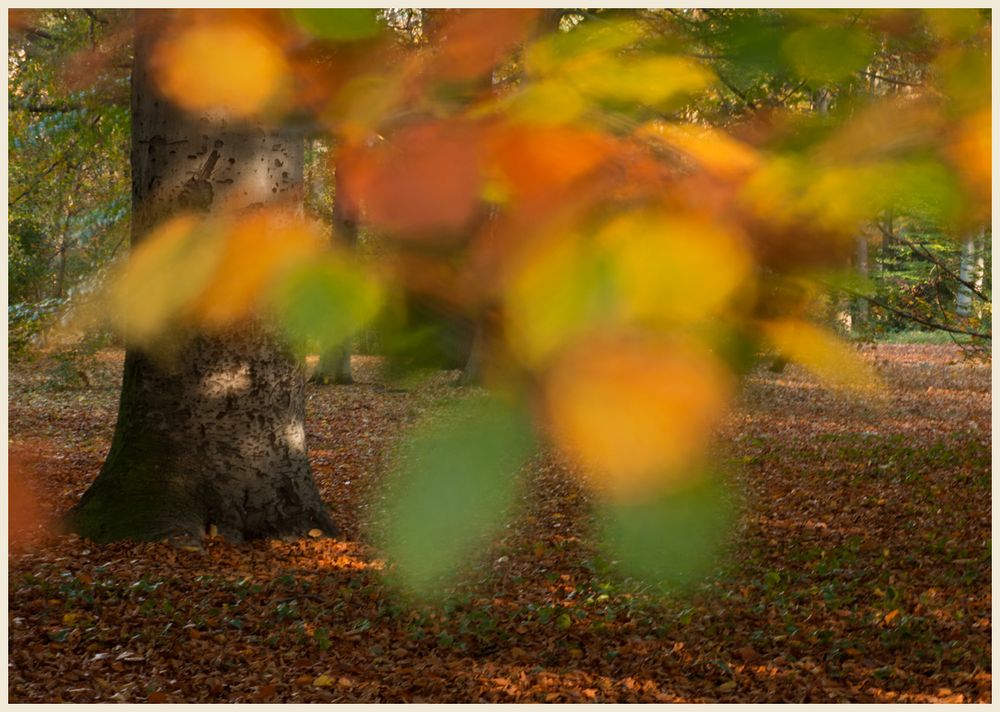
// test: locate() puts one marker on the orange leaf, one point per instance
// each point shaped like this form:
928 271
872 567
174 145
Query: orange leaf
473 41
540 160
266 692
256 249
635 413
423 179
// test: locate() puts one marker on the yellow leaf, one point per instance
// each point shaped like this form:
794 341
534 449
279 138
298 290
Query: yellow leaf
648 267
324 680
547 102
821 352
225 66
839 197
649 80
673 268
170 267
70 618
549 297
715 150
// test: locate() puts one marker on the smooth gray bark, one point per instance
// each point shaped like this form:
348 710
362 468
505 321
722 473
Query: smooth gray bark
967 272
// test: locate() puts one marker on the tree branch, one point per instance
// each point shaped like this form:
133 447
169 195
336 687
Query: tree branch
900 82
44 108
907 315
729 85
94 16
930 257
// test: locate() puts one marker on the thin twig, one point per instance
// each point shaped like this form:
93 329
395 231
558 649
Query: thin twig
927 255
44 108
907 315
900 82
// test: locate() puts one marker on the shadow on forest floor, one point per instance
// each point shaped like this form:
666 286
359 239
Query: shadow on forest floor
860 569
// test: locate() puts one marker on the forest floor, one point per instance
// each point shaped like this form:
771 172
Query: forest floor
860 569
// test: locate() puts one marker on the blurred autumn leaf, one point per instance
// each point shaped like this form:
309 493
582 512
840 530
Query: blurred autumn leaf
453 481
670 540
338 25
424 181
828 53
540 162
635 413
821 352
229 263
473 41
23 511
257 247
220 65
147 294
324 302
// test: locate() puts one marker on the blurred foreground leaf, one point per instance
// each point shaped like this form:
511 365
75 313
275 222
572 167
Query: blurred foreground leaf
828 54
821 352
327 300
454 480
635 413
671 540
148 293
248 69
339 25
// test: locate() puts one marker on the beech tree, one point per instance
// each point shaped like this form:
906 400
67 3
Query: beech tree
212 439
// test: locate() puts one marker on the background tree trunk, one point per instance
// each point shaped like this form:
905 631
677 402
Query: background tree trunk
217 437
861 267
967 271
335 365
981 245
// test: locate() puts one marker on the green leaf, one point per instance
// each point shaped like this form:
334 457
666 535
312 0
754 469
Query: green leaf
339 25
327 301
552 53
828 54
453 481
672 540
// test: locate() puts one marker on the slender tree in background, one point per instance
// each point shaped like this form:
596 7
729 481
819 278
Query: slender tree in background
335 365
213 438
967 273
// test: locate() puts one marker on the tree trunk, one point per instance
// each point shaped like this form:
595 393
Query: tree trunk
335 365
472 373
966 270
217 437
861 266
981 261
